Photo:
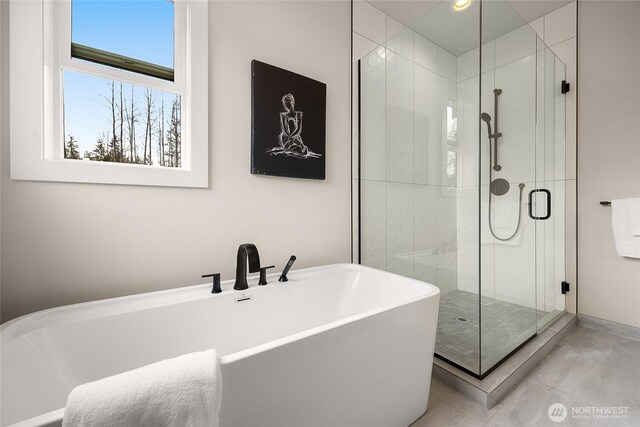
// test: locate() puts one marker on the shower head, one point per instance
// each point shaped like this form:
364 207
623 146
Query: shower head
485 117
497 91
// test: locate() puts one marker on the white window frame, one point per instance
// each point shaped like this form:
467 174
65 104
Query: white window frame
40 51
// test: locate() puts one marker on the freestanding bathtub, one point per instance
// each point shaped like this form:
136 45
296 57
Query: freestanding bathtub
340 345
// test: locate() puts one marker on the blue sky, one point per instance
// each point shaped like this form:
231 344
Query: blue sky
139 29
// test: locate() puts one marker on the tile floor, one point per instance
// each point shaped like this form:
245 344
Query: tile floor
504 327
591 369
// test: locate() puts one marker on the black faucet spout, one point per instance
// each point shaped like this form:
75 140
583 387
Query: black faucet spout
246 252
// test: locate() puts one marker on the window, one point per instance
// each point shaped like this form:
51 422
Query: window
142 31
123 94
451 145
115 121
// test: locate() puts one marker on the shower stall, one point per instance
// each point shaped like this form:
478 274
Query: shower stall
461 174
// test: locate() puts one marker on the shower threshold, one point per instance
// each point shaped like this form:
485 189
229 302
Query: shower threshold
507 375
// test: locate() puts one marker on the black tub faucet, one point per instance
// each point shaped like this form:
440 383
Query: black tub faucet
246 252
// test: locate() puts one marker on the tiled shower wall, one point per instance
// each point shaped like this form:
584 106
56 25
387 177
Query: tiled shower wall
409 149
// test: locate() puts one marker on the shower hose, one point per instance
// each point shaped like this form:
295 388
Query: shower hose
521 185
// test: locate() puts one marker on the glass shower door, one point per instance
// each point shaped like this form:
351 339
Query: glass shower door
551 179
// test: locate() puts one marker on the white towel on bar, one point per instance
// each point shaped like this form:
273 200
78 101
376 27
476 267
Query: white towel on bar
184 391
627 244
633 209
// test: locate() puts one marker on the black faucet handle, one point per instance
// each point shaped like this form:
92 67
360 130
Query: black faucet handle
216 282
263 275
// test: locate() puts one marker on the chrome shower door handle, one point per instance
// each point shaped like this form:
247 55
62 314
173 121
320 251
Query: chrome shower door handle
548 194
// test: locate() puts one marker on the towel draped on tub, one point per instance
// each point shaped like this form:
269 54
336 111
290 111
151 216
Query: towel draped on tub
184 391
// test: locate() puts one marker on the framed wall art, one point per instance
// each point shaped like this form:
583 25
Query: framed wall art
288 118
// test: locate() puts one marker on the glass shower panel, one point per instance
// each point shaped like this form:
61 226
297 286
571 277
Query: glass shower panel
448 175
399 158
418 168
372 159
556 298
458 338
508 173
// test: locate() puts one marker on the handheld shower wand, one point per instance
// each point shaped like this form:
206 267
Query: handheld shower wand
283 276
493 138
485 117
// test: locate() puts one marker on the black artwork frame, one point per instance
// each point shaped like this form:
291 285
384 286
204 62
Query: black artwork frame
288 120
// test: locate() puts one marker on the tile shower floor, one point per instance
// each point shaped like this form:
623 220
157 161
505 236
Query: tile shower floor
504 327
590 369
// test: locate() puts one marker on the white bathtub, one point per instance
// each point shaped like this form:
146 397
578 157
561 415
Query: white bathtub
341 345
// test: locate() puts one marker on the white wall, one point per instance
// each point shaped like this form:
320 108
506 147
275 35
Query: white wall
67 243
608 154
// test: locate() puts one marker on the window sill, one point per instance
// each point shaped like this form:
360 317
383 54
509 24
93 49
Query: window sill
86 171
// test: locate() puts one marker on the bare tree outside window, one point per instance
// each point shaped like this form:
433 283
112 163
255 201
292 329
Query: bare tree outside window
130 123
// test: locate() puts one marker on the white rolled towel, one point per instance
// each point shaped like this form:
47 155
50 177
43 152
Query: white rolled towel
184 391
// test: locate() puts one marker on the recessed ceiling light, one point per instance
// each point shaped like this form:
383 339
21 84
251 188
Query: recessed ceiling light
461 4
